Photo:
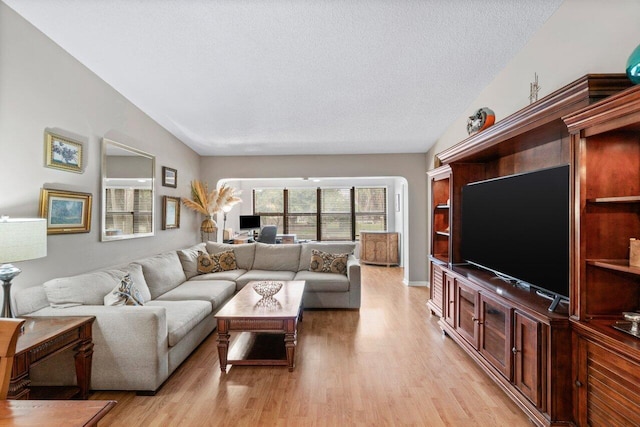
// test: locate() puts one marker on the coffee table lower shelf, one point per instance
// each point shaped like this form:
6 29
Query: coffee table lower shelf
258 349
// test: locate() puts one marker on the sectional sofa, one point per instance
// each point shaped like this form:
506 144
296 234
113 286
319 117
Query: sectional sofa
138 347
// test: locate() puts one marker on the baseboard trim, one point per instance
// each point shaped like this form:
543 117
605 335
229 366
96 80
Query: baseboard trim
418 283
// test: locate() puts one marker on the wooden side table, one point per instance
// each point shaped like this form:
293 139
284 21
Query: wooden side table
44 337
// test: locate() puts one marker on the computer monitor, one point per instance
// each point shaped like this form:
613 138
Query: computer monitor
249 222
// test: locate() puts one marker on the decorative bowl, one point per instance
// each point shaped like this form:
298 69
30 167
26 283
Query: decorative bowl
267 289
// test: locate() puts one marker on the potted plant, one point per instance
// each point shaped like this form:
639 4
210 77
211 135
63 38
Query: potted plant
209 203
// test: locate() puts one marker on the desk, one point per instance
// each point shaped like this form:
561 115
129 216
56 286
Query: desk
42 338
53 413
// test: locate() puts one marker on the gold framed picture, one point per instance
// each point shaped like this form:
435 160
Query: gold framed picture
62 153
66 212
170 212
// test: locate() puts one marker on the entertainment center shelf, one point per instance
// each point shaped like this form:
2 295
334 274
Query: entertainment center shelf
615 264
545 361
623 199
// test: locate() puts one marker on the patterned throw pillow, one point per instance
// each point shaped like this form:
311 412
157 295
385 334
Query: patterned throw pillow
125 293
325 262
223 261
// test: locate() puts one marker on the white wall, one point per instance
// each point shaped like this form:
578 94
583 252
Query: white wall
411 167
42 87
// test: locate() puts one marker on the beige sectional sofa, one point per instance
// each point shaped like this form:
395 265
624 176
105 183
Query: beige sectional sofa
138 347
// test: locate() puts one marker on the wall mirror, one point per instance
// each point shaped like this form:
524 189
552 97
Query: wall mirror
127 192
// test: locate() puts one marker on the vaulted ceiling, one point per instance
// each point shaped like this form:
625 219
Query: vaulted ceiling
251 77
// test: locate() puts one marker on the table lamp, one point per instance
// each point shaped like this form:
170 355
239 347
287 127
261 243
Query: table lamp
21 239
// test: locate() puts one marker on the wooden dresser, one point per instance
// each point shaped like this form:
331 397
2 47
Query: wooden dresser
380 247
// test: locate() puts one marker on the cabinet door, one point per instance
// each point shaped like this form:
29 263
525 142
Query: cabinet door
495 334
467 317
607 387
527 357
450 300
436 289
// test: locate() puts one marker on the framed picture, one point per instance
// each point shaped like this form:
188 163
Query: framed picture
66 211
169 177
170 212
62 153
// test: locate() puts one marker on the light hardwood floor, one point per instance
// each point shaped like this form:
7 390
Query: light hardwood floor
384 365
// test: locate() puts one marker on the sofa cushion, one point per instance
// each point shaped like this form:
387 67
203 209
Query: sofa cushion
263 275
214 291
231 275
182 316
189 259
276 257
332 247
244 252
90 288
215 263
323 282
325 262
162 272
126 293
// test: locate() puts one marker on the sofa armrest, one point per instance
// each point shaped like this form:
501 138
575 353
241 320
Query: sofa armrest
353 269
353 274
130 346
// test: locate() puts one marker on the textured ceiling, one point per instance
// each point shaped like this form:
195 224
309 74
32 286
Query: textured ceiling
251 77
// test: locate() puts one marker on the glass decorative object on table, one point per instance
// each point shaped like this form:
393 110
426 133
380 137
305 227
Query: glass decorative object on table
267 289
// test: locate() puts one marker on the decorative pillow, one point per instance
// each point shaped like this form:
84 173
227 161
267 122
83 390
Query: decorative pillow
189 259
125 293
223 261
325 262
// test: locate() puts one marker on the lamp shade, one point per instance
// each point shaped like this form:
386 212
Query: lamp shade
22 239
633 66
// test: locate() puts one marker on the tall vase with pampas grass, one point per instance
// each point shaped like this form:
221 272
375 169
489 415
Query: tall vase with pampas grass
209 203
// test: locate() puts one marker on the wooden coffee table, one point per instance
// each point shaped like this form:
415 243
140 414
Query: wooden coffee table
247 312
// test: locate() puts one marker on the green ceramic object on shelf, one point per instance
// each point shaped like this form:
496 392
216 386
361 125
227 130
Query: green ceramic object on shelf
633 65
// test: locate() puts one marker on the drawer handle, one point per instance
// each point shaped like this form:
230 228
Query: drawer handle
578 383
514 350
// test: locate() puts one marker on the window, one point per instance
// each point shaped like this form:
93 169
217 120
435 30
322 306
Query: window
269 204
335 214
370 209
323 213
302 213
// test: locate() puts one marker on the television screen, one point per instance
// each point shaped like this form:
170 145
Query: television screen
249 222
518 226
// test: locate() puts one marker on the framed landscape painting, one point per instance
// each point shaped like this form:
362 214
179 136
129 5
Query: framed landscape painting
63 153
170 212
66 211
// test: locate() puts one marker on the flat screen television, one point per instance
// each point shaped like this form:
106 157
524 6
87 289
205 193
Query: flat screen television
249 222
518 227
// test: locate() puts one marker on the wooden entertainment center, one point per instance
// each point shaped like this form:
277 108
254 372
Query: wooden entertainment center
569 366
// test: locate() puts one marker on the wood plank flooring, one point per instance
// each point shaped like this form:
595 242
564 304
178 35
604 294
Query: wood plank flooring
384 365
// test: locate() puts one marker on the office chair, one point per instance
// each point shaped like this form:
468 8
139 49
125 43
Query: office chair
268 234
9 331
